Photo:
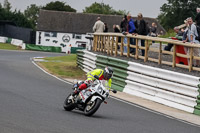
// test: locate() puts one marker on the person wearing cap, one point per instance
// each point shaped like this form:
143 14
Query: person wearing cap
99 26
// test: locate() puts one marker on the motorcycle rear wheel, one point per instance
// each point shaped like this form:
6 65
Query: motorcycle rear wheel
90 109
68 104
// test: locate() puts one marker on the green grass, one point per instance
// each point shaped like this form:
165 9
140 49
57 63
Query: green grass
170 33
63 66
8 46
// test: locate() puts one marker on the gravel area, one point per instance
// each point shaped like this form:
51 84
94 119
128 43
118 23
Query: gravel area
154 64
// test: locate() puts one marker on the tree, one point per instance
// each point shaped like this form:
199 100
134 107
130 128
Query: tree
32 13
175 12
101 8
58 6
17 17
6 5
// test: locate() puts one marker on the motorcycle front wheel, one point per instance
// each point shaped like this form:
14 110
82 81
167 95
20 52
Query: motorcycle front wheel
68 104
91 108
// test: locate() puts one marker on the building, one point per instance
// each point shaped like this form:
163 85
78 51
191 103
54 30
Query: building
69 29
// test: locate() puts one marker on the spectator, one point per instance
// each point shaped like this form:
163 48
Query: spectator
179 36
153 30
147 28
106 27
123 24
141 29
192 34
99 26
197 19
130 30
185 32
116 28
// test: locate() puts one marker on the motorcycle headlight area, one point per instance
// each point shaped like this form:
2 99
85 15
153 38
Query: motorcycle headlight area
99 89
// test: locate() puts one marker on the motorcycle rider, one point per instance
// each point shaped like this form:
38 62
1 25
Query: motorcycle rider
105 74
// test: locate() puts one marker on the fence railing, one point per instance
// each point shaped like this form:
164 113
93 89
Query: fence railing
110 44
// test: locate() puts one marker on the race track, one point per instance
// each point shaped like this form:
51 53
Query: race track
31 102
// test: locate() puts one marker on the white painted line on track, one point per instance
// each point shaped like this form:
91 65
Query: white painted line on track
51 74
121 100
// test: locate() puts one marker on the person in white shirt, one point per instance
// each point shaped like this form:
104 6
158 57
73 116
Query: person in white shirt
99 26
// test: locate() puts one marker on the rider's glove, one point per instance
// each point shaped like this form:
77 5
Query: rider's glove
88 82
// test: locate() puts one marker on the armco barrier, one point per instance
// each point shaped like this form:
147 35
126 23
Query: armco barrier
3 39
197 107
166 87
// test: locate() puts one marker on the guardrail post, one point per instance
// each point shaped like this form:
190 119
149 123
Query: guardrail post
174 56
105 42
95 43
128 47
116 45
191 59
136 49
160 54
112 45
102 43
122 46
146 50
108 44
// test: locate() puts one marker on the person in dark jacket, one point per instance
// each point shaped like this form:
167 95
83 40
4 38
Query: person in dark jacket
141 29
123 24
106 27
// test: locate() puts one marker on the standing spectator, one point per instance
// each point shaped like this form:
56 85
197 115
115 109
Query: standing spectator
192 34
123 24
197 19
106 27
131 30
99 26
116 28
141 29
153 30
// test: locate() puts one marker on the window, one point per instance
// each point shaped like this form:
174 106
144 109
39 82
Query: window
50 34
78 36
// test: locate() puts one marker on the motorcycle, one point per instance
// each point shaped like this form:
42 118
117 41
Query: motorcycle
90 99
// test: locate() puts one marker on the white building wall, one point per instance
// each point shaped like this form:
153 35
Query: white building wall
63 40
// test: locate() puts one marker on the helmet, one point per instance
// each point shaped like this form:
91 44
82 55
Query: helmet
108 73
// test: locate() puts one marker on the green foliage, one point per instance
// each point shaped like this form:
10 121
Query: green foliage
170 33
15 16
101 8
6 5
175 12
32 13
59 6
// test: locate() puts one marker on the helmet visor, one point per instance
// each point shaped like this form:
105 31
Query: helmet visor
108 76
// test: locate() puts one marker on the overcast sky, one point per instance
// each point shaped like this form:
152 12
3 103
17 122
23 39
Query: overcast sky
149 8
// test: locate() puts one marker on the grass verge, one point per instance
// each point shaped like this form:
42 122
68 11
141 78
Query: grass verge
63 67
8 46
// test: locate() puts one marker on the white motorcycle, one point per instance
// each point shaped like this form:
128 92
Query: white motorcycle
90 99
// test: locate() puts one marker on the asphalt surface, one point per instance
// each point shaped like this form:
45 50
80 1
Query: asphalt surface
31 101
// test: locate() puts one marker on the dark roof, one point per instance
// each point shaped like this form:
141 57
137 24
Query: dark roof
70 22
